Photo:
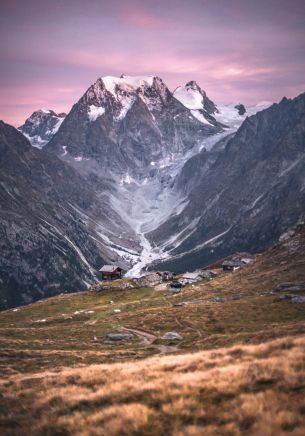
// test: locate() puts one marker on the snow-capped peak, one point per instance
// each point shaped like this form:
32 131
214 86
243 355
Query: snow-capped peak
41 126
118 94
194 98
189 96
128 83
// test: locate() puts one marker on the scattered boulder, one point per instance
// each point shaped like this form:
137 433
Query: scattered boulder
171 336
284 297
219 300
191 302
290 287
175 290
286 287
292 298
97 287
119 336
298 299
207 274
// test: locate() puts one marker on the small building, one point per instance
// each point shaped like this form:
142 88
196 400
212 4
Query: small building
166 275
247 260
232 265
111 272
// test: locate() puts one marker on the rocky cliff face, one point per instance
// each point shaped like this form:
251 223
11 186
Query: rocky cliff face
254 190
175 181
54 231
41 126
123 124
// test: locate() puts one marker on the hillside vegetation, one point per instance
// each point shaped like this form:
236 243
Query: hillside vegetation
238 369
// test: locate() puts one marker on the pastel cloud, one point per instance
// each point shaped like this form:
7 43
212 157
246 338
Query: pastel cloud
50 52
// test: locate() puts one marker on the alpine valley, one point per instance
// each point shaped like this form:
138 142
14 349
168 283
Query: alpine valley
145 178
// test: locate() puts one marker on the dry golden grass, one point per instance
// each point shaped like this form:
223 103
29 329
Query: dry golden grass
60 376
256 389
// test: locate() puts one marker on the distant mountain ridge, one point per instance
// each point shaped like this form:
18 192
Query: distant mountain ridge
163 180
41 126
123 124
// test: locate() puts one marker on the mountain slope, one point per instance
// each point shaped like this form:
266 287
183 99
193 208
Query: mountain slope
195 99
41 126
248 197
243 345
54 229
123 124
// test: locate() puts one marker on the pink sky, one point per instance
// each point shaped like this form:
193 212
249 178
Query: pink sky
237 50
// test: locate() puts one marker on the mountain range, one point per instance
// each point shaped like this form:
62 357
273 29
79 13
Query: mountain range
148 178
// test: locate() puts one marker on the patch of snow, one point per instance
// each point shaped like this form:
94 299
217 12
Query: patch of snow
256 201
78 251
78 158
127 180
36 141
190 98
95 112
7 191
200 117
228 114
291 166
65 150
126 103
80 254
127 82
199 246
57 125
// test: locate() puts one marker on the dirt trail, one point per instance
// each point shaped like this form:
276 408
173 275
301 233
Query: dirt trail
149 338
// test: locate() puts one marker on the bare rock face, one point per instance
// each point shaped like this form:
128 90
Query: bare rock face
248 197
123 124
241 109
50 220
136 173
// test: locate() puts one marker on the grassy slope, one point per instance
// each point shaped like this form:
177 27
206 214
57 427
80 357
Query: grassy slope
240 379
256 389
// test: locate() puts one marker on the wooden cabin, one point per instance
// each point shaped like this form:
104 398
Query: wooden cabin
111 272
